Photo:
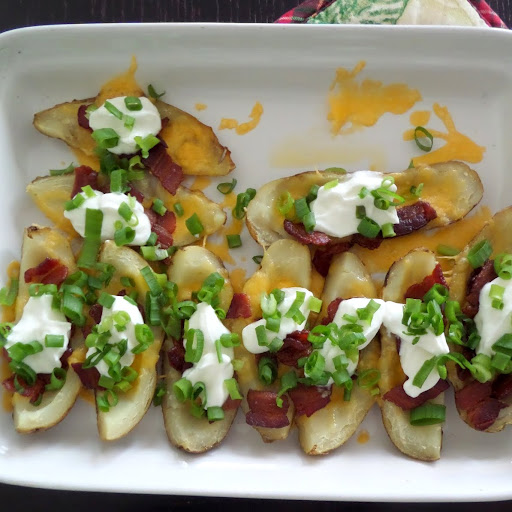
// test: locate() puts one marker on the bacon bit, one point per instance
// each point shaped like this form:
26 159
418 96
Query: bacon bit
163 236
502 387
295 346
323 257
49 271
64 358
471 394
332 308
136 193
309 399
88 376
418 290
367 243
479 278
264 411
176 357
240 306
31 392
399 397
298 231
230 404
82 118
161 165
484 414
413 217
95 312
84 175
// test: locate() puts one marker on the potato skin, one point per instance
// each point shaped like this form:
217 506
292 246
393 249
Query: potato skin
451 188
422 443
498 231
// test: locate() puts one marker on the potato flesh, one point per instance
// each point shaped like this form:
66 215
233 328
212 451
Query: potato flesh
331 426
189 268
423 443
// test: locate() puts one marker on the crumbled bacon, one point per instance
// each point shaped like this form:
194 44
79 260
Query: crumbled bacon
332 308
82 118
31 392
88 376
136 193
240 306
176 357
298 231
49 271
162 166
95 312
418 290
399 397
309 399
263 410
295 346
323 257
485 413
367 243
413 216
160 225
471 394
502 387
479 278
64 358
84 175
230 404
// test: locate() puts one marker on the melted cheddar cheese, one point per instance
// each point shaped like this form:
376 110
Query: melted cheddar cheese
243 128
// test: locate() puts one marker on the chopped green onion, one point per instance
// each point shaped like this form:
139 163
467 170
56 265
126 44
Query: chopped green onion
133 103
285 203
481 368
261 336
479 253
360 212
234 241
146 143
315 366
125 211
232 387
193 354
230 340
20 351
427 414
227 187
106 300
218 350
267 370
411 164
74 203
124 236
424 372
54 340
257 259
107 400
59 172
129 122
151 280
57 380
127 281
153 94
242 201
366 314
90 109
312 194
72 307
215 413
294 311
416 191
496 294
447 250
182 390
421 133
388 230
437 293
273 324
151 253
368 228
194 225
503 344
92 239
500 361
152 239
288 381
113 110
178 209
8 295
159 394
339 170
367 379
301 207
363 192
159 207
118 181
331 184
105 138
309 222
503 265
314 305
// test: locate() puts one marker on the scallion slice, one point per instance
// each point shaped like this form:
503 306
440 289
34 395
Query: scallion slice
368 228
54 340
288 381
227 187
146 143
496 294
234 241
59 172
420 134
314 305
92 241
232 387
267 370
339 170
503 266
128 121
106 138
113 110
388 230
151 280
424 372
124 236
182 390
285 203
447 250
417 190
153 94
57 380
366 314
159 207
178 209
194 225
242 201
133 103
125 211
427 414
257 259
479 253
215 413
8 294
367 379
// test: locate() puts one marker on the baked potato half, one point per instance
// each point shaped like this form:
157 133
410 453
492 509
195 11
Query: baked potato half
133 404
419 442
189 268
451 188
330 427
498 232
40 243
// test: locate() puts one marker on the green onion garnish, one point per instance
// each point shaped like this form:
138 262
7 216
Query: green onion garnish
232 387
72 307
107 400
194 225
105 138
74 203
20 351
230 340
146 143
427 414
301 207
8 295
59 172
152 253
193 353
227 187
424 372
366 314
314 366
285 203
420 134
178 209
151 280
437 293
294 312
133 103
54 340
106 300
503 266
257 259
153 94
496 294
388 230
234 241
159 207
331 184
124 236
416 190
127 281
313 193
118 181
92 239
368 228
242 201
314 305
215 413
288 381
367 379
360 212
152 239
267 370
339 170
182 390
129 122
113 110
447 250
125 211
57 380
159 393
479 253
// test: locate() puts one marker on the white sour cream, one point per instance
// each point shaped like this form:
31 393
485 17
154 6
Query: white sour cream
287 326
208 370
493 323
335 207
109 204
147 122
38 320
121 304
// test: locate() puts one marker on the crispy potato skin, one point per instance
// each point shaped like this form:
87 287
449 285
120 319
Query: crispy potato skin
331 426
40 243
452 188
132 405
499 233
189 268
423 443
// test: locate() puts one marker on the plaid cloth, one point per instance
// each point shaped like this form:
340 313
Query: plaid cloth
369 12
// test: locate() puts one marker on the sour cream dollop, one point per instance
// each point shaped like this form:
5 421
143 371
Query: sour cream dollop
147 122
109 204
38 320
335 207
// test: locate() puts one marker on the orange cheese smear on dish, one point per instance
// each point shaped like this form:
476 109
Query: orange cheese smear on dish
243 128
360 104
457 145
200 106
